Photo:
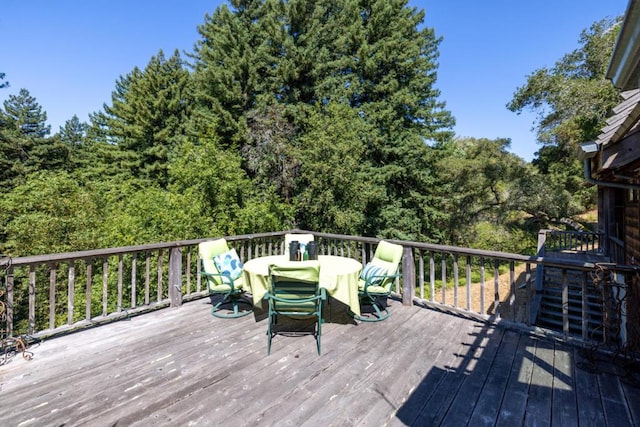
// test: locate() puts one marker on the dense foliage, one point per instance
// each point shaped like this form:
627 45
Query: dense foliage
318 115
572 101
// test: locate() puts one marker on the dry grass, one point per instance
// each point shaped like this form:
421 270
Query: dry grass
476 291
589 216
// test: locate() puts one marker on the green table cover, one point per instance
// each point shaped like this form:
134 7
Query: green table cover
338 275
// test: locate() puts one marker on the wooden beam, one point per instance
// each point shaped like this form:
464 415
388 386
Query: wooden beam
622 153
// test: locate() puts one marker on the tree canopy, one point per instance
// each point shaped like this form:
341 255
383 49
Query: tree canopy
297 113
267 73
571 101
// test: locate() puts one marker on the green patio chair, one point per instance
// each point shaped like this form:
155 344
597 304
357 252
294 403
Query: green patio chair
223 271
295 292
377 278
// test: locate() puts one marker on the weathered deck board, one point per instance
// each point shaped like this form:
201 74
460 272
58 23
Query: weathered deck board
419 367
514 402
403 384
564 408
478 364
538 411
588 397
486 409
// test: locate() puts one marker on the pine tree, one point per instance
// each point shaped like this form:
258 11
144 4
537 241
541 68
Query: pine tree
24 145
370 55
74 131
73 135
24 116
229 67
147 117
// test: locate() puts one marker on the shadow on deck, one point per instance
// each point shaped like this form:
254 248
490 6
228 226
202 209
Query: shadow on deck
420 367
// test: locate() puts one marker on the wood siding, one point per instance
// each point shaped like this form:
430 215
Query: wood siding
632 227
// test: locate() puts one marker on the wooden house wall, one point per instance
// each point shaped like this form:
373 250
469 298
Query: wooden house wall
611 218
632 254
632 227
601 226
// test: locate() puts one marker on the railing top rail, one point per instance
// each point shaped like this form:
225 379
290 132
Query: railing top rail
97 253
480 253
571 232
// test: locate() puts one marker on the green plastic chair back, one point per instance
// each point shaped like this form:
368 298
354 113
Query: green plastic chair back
295 288
388 256
295 292
207 251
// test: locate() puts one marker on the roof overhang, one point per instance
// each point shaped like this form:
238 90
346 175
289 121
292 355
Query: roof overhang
624 68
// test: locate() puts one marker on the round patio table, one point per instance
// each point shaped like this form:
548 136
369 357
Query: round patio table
338 275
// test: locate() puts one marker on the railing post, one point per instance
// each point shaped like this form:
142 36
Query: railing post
408 276
542 241
175 277
9 303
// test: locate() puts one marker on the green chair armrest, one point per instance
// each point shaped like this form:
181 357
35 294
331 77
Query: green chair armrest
226 279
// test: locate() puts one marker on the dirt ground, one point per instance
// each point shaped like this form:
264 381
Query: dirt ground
504 292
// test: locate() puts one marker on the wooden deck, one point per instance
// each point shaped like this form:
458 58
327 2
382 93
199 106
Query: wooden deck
420 367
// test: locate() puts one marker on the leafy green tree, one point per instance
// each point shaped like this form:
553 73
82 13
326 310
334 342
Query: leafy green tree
572 100
480 181
226 200
51 212
335 185
135 213
3 84
43 216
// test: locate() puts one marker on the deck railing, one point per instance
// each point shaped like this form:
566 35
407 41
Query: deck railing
574 241
50 294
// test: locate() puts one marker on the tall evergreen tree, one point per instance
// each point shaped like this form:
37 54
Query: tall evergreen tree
24 116
368 54
73 136
147 116
229 68
74 131
24 145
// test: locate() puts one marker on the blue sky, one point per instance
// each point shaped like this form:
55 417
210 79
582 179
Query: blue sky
68 54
